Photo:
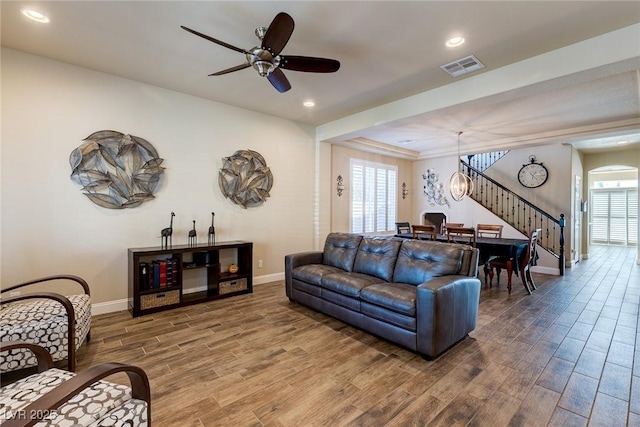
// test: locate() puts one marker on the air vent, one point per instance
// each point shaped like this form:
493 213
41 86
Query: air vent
463 66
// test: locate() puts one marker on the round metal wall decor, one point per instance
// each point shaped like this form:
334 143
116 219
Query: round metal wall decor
245 178
116 171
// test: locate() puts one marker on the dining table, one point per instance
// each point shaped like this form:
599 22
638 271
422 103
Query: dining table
494 247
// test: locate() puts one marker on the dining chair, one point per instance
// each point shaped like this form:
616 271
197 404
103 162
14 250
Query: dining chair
466 235
422 232
524 268
453 224
403 228
489 230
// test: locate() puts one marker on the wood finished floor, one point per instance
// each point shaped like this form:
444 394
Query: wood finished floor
569 355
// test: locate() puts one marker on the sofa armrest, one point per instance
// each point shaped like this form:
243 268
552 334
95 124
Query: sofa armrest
295 260
446 311
64 392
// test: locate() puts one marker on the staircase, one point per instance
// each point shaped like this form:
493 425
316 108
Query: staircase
484 161
515 210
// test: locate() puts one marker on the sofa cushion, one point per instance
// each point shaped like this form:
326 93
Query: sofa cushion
383 317
340 250
420 261
342 300
377 257
398 297
313 273
349 284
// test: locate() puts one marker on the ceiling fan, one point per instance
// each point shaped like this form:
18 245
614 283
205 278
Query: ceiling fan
267 60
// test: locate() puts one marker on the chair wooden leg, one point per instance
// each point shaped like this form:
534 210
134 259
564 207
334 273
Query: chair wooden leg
486 268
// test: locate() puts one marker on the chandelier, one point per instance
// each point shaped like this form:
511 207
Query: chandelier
460 185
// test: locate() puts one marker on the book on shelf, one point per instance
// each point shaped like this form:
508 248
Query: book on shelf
163 274
143 275
156 274
174 269
169 272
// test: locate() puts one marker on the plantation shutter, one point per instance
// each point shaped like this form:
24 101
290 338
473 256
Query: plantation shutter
614 217
632 217
373 197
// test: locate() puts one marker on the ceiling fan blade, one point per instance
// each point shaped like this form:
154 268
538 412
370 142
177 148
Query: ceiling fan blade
211 39
309 64
232 69
279 80
278 33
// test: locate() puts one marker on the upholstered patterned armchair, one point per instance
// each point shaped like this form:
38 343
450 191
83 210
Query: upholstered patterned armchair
56 322
54 397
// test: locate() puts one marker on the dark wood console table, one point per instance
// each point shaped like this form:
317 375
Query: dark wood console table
157 275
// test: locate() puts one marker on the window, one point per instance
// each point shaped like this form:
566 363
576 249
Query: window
614 216
373 197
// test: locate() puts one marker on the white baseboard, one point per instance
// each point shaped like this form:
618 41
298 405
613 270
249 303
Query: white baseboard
109 307
546 270
123 304
268 278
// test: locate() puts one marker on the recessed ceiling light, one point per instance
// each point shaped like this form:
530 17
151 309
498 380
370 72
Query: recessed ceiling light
455 41
309 104
34 15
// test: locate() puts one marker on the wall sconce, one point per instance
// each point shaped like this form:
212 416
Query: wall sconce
340 185
405 192
433 189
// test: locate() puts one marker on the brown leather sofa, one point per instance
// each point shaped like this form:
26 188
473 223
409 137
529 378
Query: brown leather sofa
421 295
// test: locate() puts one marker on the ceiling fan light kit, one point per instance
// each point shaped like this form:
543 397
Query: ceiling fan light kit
267 60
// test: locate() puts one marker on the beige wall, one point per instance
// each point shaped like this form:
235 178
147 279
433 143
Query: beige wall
340 158
48 226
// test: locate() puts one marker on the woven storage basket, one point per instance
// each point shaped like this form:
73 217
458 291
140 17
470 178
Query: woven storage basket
233 286
159 299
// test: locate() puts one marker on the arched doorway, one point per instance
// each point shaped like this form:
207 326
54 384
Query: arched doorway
613 206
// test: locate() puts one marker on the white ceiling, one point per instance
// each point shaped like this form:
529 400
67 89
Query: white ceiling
388 51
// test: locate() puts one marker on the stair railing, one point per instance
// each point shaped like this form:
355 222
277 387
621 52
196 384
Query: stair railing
483 161
518 212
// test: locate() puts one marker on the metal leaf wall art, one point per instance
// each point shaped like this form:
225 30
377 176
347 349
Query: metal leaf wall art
116 171
245 178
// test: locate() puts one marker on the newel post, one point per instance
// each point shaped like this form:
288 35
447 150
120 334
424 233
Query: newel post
561 223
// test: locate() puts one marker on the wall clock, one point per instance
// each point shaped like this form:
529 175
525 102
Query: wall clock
533 174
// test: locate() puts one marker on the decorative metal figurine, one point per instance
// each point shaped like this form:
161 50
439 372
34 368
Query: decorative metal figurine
245 178
116 171
193 238
433 189
166 234
212 231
